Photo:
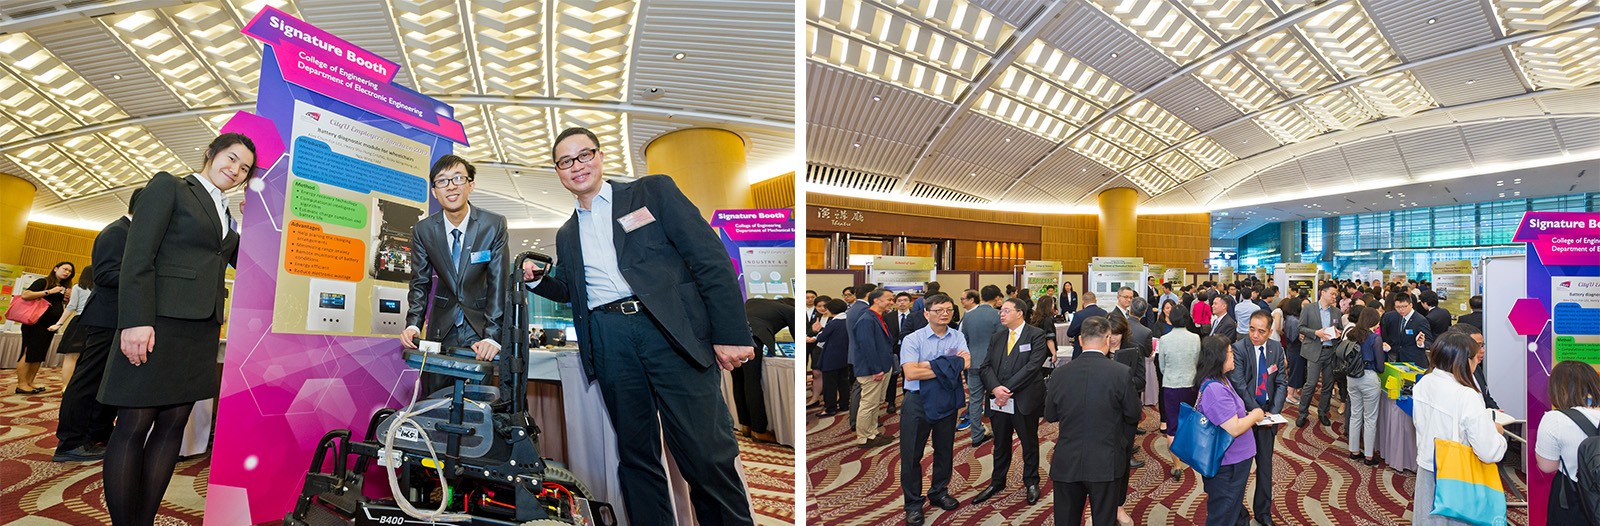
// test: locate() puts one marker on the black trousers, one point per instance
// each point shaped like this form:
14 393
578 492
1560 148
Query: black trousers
1100 496
1225 495
836 390
1027 431
915 431
654 392
748 396
84 420
1266 441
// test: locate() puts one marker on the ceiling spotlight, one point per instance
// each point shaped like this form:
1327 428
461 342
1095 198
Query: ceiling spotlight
855 145
1500 183
1516 181
1196 108
516 174
1113 54
116 76
1008 139
1085 169
973 174
678 56
545 192
1432 20
876 98
1470 81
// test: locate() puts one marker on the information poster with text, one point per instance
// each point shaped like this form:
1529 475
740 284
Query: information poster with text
902 273
761 244
1036 275
1107 275
9 288
1178 277
1301 277
1452 281
1225 275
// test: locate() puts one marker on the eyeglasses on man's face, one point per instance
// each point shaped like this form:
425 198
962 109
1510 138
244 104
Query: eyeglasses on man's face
583 156
447 181
941 312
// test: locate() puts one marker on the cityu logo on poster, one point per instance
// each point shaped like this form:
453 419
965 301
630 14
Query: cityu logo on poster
1562 238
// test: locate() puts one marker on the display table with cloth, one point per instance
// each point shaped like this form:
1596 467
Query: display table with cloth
1152 385
11 351
1397 436
777 380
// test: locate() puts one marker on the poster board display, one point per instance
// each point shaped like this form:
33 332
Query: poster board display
1225 275
1454 282
1178 277
1301 277
1036 275
902 273
9 289
1261 273
761 244
1107 275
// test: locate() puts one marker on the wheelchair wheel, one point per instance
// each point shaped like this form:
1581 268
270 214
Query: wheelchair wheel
558 473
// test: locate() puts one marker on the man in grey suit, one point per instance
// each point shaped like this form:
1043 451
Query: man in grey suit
1319 331
1260 378
979 323
459 255
1139 337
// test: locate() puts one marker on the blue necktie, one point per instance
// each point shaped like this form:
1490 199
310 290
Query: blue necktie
455 260
1261 367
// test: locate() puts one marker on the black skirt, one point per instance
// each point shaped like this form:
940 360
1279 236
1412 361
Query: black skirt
182 369
36 340
73 339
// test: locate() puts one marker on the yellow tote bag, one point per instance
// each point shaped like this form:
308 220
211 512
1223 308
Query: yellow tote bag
1465 488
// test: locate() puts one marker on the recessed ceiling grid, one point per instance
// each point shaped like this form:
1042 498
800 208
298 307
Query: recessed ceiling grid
932 46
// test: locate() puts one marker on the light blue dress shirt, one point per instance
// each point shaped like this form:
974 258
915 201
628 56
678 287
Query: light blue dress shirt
596 237
924 345
1241 314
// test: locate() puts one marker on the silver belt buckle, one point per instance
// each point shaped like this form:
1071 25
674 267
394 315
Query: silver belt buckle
629 307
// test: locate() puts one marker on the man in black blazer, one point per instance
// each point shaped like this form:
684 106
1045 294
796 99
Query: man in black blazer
1094 404
766 318
1264 389
1069 298
1014 375
1089 310
1407 333
1222 323
84 420
872 357
1474 318
1438 319
658 312
459 254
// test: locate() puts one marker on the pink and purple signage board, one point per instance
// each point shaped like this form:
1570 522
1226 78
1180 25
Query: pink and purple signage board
282 391
761 243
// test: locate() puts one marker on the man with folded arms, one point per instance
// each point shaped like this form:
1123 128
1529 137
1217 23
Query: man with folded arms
933 358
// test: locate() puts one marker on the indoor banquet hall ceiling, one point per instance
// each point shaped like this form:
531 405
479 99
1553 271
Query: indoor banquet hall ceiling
1199 105
96 95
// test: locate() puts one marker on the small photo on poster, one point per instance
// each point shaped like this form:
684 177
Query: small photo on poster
391 240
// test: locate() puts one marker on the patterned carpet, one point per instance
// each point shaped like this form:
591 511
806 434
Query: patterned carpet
36 491
1317 483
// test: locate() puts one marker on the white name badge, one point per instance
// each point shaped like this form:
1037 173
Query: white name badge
636 219
1025 347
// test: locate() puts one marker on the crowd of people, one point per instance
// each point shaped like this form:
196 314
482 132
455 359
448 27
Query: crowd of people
1239 353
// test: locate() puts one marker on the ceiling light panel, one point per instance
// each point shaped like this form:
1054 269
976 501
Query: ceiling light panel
1158 121
1179 166
29 60
510 37
9 129
1565 60
247 9
101 160
853 55
611 128
431 36
217 121
1289 63
1346 36
1236 83
58 173
592 38
214 31
1025 116
1103 152
147 153
1337 110
1048 96
480 147
1520 16
1162 25
1231 19
1083 80
971 22
1150 179
1396 95
148 35
1287 125
1129 137
523 134
899 46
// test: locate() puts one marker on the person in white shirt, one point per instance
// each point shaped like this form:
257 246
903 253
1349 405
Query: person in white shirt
1447 404
1574 394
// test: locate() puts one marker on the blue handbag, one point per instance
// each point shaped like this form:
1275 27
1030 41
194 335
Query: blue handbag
1198 442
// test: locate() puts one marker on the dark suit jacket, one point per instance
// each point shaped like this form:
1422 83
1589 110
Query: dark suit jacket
1404 346
835 342
1069 301
1076 327
101 311
871 348
1245 375
1134 360
1439 320
1021 372
891 319
916 319
1310 323
1224 327
1139 338
1096 409
766 317
175 272
851 314
479 289
1474 318
675 265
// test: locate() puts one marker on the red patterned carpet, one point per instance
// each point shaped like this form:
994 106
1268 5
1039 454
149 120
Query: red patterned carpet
36 491
1317 483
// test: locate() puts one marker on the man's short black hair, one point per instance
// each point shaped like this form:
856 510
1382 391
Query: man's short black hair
449 160
872 297
1475 303
575 130
864 289
902 294
848 290
990 293
972 295
931 288
936 299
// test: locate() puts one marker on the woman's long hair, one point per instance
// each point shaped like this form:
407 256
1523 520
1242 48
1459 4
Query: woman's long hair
1045 309
51 281
1453 352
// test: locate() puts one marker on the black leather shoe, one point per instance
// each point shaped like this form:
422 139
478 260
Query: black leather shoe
986 493
1135 464
891 410
946 502
1356 455
1033 494
985 438
1372 461
1302 421
1265 520
1324 421
914 517
1139 431
89 453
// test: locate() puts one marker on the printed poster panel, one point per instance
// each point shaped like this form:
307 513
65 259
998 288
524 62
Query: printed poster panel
1041 277
1453 282
902 273
1575 318
1107 275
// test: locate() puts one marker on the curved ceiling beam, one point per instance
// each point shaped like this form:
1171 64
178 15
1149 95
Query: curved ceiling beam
1227 49
1505 42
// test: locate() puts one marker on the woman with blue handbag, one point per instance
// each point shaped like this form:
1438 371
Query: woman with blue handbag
1219 403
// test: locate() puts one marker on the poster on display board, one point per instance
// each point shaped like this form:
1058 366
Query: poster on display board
1261 273
1178 277
761 244
1559 314
1394 277
1453 281
902 273
1299 276
1225 275
1107 275
1036 275
325 226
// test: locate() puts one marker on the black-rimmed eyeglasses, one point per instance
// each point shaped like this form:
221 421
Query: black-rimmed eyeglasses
447 181
583 156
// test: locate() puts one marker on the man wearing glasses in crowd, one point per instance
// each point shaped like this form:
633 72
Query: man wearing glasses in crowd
933 358
658 313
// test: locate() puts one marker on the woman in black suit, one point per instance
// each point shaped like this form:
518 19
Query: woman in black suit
170 311
36 337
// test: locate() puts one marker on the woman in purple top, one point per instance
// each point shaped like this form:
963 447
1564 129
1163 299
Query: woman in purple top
1222 406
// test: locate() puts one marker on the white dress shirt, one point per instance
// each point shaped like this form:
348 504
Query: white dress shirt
217 198
1443 408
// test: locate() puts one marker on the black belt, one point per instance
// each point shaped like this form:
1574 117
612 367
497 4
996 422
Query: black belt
628 305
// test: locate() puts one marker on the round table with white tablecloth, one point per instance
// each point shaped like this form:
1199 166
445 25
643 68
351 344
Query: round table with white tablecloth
1397 436
11 351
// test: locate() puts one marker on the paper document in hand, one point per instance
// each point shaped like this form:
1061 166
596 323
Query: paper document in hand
1010 408
1272 419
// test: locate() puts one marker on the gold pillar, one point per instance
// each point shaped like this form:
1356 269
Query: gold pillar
707 163
1119 227
16 202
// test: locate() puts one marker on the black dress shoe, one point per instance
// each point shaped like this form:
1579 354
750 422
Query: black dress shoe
946 502
1177 474
1033 494
985 438
986 493
1302 421
1372 461
891 410
1135 464
1139 431
1324 421
1356 455
1265 520
89 453
914 517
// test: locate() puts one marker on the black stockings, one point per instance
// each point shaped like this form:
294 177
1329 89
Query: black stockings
137 468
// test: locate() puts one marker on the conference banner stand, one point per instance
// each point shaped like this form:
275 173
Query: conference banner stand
761 244
1178 277
1036 275
1107 275
1454 282
1296 276
1558 316
1225 275
901 273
